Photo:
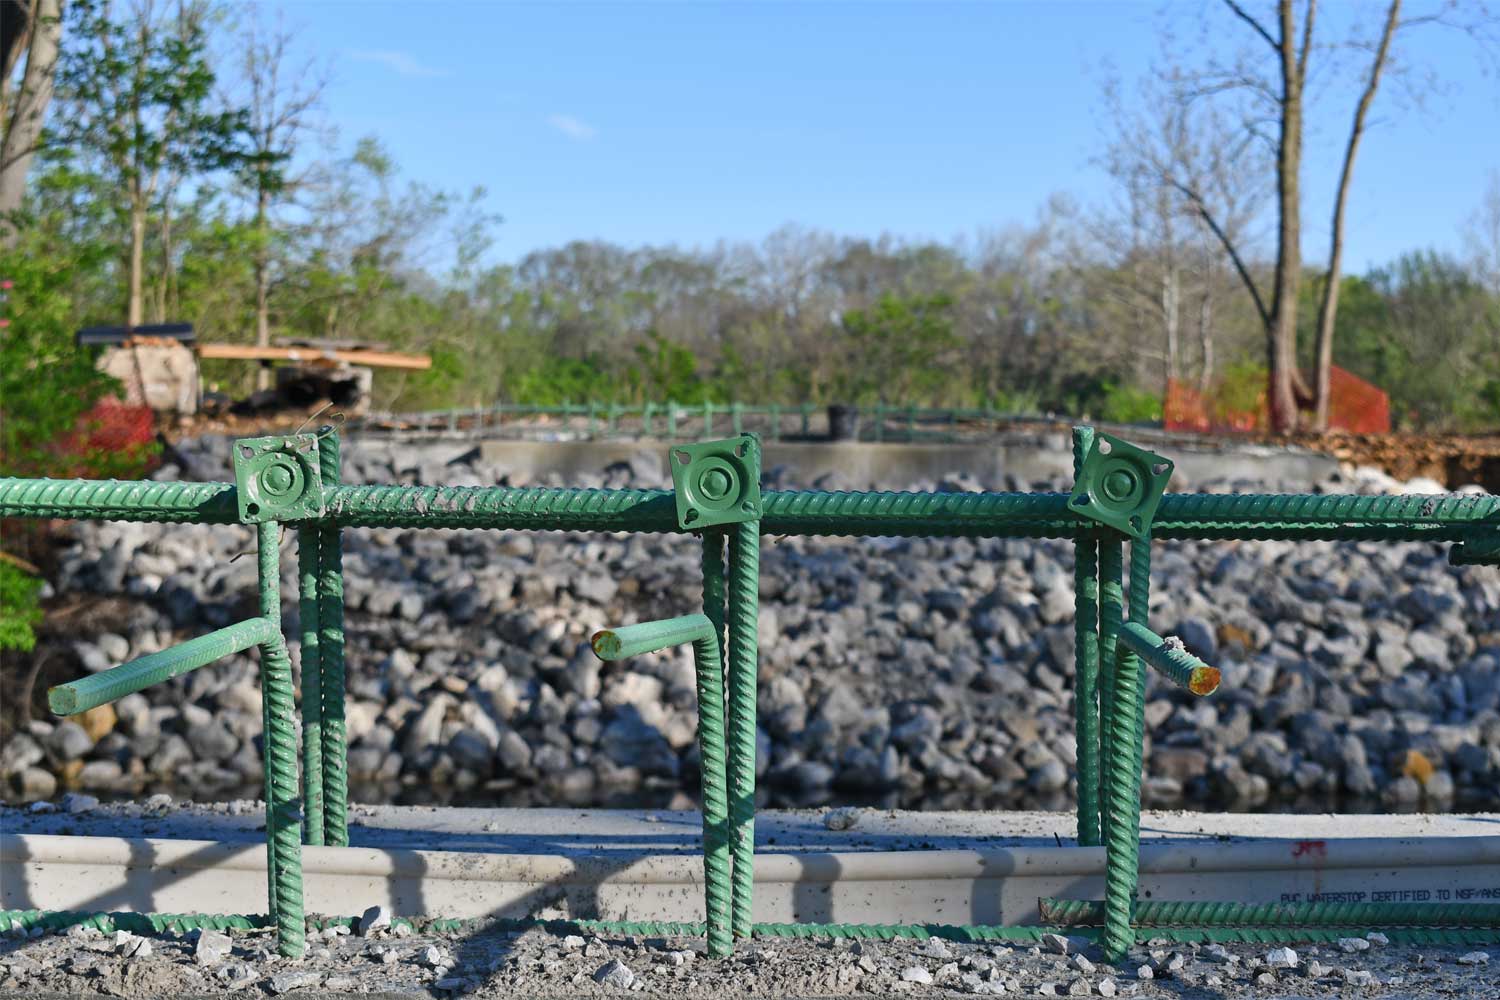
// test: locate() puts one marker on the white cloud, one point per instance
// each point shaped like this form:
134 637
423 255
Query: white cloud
571 127
403 63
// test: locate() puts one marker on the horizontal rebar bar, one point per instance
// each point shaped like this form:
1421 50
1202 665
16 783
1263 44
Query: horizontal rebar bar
1032 515
648 637
1172 661
1167 913
153 668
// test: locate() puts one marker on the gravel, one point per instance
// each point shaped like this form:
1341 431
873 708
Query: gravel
492 964
913 673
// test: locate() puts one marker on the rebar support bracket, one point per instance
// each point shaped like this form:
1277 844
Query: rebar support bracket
1120 485
716 482
278 479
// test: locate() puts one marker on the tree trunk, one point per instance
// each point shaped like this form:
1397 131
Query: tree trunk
1170 293
1281 332
262 283
24 120
1206 340
137 261
1328 308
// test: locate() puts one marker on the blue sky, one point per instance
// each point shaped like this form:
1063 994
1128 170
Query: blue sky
685 124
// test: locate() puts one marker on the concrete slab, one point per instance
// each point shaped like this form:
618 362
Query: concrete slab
890 867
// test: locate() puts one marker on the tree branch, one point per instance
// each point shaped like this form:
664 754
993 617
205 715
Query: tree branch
1245 16
1228 245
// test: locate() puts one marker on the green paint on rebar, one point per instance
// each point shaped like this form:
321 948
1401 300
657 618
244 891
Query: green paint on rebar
744 659
154 668
335 748
309 559
283 827
1086 663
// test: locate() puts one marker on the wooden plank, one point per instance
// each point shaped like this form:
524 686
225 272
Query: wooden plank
305 355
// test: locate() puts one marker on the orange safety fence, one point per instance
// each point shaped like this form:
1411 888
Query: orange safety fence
1355 406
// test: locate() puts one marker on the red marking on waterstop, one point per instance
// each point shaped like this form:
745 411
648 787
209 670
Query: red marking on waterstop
1313 848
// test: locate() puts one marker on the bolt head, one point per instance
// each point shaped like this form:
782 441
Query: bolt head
1119 485
715 484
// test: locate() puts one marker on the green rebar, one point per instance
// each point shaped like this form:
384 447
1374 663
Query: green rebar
153 668
1173 661
1019 515
714 593
1111 614
700 630
283 826
743 621
1193 914
331 658
1140 613
1122 801
649 637
309 549
1086 662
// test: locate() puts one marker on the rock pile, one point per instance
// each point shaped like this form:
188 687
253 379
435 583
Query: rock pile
916 672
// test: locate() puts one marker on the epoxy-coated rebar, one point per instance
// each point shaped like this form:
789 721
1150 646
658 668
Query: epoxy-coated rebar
309 549
1122 798
744 659
1022 515
1086 662
1111 614
283 827
335 748
648 637
1173 661
1152 913
153 668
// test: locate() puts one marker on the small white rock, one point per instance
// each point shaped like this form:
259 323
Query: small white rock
915 974
1107 987
1082 964
1378 939
1350 945
1055 943
1281 958
1475 958
615 973
935 948
841 819
1144 972
374 919
574 942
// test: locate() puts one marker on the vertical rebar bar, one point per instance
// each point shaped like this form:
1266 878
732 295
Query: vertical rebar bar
283 828
1111 614
1086 662
716 848
743 618
309 548
331 659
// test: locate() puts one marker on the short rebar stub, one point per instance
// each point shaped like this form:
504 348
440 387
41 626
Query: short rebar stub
716 482
278 478
1120 485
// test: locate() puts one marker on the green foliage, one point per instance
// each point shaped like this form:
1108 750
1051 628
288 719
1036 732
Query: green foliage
1124 404
19 609
1426 331
902 350
665 370
46 384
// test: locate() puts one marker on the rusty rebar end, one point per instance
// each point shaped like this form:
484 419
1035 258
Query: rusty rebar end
1204 680
606 644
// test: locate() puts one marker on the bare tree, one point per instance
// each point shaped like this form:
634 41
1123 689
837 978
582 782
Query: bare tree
1328 307
280 107
32 28
1263 92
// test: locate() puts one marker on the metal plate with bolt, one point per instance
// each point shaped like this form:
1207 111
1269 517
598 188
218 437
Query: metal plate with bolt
278 479
717 482
1118 498
1121 485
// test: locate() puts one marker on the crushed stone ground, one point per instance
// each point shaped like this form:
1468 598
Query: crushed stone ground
535 963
